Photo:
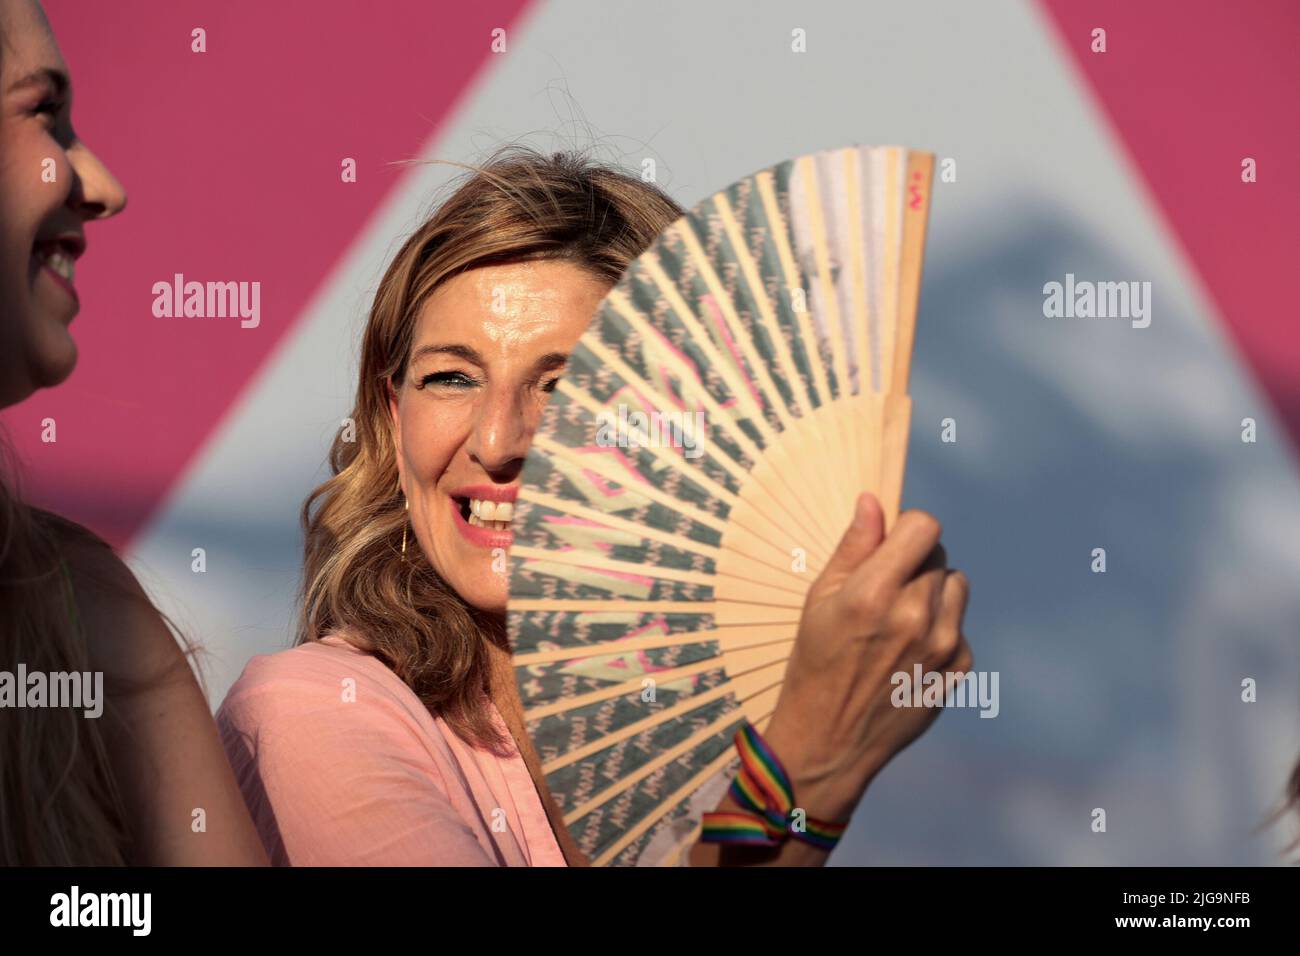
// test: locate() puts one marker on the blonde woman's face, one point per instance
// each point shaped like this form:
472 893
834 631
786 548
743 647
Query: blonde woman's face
489 347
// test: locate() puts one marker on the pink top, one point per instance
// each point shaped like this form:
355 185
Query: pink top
341 764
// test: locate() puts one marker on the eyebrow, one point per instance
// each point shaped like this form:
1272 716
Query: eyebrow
46 74
548 361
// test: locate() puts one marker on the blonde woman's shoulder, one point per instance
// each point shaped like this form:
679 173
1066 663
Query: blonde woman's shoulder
330 679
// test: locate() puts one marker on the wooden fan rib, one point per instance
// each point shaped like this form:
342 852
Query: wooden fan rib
734 662
897 421
816 219
767 320
631 686
739 334
701 339
630 836
599 562
715 766
660 454
858 246
893 200
793 280
725 613
920 174
739 633
677 541
756 658
615 647
743 688
680 794
638 382
756 522
620 477
671 461
737 659
606 606
623 784
716 412
820 539
727 638
737 611
754 282
684 792
576 510
637 323
711 769
860 322
877 162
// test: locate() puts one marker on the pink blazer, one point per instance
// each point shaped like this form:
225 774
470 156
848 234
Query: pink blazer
340 764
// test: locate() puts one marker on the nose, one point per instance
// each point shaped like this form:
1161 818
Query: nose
501 433
96 193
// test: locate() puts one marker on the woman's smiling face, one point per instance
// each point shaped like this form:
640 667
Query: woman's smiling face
50 185
488 349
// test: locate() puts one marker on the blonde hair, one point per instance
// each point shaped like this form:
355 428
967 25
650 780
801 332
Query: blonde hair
520 205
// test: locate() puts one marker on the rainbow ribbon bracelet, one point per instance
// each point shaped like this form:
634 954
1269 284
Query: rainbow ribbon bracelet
763 787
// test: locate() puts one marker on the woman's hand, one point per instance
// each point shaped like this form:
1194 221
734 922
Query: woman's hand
881 605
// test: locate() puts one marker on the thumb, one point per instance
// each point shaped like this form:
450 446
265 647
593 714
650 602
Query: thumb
862 537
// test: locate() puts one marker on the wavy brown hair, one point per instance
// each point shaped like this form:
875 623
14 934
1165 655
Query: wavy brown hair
521 205
59 803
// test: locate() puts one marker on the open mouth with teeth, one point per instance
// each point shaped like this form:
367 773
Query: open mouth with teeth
58 259
481 513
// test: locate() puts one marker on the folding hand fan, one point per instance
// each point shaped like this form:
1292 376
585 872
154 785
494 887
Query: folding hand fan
694 469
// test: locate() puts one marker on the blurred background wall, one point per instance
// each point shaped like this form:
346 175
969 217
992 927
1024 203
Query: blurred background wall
1119 690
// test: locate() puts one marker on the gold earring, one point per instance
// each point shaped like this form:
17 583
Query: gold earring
408 510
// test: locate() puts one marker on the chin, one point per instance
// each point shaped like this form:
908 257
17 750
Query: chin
58 373
488 597
468 571
53 360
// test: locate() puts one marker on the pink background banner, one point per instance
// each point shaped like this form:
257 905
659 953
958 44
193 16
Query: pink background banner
232 161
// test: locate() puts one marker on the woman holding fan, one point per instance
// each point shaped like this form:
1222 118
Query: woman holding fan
393 733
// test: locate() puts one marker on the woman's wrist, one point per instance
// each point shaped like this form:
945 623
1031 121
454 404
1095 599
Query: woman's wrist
785 853
778 779
822 789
